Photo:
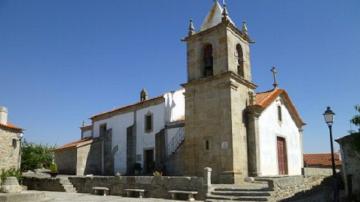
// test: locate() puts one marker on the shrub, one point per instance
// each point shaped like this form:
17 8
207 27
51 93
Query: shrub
35 156
53 168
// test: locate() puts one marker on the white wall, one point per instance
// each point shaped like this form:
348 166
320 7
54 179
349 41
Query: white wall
146 140
175 106
119 125
87 133
269 129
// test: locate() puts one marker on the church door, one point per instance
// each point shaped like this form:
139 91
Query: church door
282 156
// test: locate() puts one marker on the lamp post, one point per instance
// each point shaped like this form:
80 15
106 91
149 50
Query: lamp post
329 119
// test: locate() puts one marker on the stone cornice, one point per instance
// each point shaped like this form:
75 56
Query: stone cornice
220 76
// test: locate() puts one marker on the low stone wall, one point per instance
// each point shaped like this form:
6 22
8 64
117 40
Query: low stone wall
309 171
43 184
156 187
285 187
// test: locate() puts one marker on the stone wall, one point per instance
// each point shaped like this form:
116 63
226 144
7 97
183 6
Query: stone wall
350 154
66 161
156 187
9 150
43 184
285 187
309 171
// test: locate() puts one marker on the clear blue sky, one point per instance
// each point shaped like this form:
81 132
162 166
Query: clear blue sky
62 61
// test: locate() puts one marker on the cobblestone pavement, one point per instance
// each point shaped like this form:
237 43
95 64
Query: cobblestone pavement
78 197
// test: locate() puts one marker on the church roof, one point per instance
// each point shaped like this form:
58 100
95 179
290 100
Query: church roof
138 105
264 99
214 17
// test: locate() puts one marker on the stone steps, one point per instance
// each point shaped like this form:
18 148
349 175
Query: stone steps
239 193
68 187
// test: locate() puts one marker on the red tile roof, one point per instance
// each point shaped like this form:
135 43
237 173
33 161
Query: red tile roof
321 160
264 99
11 127
74 144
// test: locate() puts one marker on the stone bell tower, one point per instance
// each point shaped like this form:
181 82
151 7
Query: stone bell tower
217 93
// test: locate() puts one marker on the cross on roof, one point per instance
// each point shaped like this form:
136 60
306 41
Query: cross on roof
274 72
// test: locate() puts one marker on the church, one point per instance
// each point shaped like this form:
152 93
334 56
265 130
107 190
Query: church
216 119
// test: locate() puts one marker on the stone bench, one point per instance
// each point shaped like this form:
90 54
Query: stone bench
104 190
190 194
140 191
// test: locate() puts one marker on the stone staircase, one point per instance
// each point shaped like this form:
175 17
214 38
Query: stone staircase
251 192
68 187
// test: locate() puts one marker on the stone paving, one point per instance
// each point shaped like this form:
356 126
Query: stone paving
79 197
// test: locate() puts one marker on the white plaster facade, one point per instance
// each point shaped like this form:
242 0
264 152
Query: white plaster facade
269 129
172 109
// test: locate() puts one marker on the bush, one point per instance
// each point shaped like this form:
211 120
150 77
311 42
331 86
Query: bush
35 156
12 172
53 168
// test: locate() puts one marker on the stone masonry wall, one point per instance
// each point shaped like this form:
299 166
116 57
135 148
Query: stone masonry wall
66 161
156 187
285 187
9 153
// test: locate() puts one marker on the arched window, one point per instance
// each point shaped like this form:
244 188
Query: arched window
208 60
240 59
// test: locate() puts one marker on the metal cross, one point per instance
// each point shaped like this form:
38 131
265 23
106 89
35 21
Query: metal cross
274 72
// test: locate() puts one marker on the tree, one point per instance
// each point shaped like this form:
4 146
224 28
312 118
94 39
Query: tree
356 119
35 156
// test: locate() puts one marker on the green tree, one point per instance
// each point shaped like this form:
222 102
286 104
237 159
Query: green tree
356 119
35 156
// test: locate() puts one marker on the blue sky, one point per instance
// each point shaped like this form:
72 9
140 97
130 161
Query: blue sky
62 61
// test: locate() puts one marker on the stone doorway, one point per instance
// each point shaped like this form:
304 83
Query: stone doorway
282 156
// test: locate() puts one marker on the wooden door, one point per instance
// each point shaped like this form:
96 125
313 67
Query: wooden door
282 156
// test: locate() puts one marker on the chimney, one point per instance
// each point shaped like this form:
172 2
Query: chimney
3 115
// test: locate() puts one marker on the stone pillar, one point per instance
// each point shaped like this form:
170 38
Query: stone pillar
11 185
207 179
253 143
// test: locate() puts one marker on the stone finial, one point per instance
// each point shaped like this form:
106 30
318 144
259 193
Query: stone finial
244 28
191 28
225 12
143 95
274 72
252 98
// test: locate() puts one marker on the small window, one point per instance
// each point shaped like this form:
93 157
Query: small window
103 130
279 113
14 143
207 145
148 123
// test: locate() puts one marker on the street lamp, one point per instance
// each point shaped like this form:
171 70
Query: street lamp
329 119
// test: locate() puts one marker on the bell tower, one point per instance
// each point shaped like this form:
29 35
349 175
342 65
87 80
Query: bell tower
217 93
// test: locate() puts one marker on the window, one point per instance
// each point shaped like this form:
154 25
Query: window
208 60
240 59
207 145
279 113
148 122
103 130
14 143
